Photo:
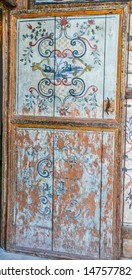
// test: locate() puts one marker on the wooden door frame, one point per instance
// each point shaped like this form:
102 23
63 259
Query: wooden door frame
6 7
119 125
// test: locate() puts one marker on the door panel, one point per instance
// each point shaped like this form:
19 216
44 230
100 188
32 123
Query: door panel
62 66
33 187
80 95
35 90
63 183
77 208
87 185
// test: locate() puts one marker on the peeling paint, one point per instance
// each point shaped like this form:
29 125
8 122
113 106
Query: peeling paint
64 190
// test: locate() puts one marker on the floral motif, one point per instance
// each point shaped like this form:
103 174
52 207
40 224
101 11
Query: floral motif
63 21
32 99
30 26
35 34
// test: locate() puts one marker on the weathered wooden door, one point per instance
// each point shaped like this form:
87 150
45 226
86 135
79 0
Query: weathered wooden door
65 83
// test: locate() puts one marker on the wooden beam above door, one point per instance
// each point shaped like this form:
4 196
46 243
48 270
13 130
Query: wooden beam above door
12 3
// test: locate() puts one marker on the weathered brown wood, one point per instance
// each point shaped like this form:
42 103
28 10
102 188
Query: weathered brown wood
5 6
32 4
49 254
22 4
12 3
49 121
18 4
121 140
5 124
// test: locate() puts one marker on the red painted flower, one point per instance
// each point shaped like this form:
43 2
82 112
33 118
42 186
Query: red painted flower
62 111
91 21
30 44
63 21
30 26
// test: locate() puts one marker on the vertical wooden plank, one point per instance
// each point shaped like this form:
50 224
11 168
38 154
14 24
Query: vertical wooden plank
32 193
111 66
5 63
128 168
31 4
22 4
106 234
34 86
79 66
77 177
130 54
